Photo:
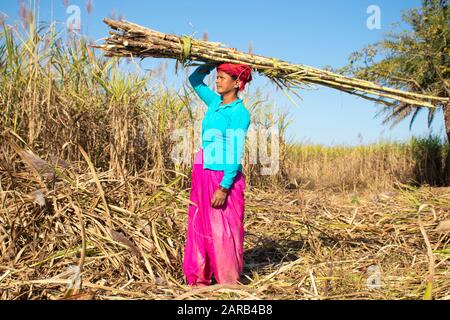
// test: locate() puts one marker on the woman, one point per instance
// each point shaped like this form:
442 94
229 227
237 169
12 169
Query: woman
215 232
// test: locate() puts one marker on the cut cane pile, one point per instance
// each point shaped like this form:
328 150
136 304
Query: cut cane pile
128 39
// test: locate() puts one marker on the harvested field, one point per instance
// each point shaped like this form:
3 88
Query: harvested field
127 239
93 205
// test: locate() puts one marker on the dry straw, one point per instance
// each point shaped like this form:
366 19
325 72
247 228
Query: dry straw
131 40
303 244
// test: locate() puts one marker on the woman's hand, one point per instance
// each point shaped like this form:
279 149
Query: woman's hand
219 198
206 68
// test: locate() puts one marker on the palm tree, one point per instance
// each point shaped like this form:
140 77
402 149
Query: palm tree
416 60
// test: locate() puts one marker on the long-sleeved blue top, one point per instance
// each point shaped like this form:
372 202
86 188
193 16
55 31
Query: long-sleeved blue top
224 129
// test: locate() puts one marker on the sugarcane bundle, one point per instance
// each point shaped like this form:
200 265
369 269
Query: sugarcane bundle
131 40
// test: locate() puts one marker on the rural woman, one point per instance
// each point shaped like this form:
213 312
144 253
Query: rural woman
215 231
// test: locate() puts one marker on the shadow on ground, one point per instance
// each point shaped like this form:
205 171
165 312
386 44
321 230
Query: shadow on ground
267 254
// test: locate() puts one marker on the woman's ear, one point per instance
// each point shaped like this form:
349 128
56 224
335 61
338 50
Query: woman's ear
237 85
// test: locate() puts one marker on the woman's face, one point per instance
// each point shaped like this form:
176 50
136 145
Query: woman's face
225 83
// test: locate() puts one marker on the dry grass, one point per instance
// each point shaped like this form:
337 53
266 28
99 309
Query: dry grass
88 192
131 40
299 245
375 167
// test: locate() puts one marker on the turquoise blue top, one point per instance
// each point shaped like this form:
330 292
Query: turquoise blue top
224 129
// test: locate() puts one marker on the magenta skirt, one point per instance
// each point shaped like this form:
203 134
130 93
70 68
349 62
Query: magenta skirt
215 236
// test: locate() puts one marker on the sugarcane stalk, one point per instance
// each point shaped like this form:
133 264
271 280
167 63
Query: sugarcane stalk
131 40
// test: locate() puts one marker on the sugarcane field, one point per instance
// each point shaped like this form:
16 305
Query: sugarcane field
224 151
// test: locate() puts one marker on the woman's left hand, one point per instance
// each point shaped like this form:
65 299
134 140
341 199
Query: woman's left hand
219 198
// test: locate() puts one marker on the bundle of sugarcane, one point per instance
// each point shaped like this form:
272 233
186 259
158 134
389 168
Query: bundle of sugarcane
131 40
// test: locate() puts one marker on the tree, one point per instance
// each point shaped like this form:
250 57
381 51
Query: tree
417 60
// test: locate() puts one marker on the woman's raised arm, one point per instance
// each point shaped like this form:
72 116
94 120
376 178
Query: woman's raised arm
203 91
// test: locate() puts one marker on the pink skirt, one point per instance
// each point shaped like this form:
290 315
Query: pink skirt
215 236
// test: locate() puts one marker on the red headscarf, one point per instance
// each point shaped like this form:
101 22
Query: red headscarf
239 71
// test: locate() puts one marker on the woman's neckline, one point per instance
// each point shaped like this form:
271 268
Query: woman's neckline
221 104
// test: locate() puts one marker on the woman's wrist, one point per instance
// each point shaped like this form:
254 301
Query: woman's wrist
223 189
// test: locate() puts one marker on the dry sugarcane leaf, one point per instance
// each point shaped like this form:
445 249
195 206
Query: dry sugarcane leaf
444 226
120 237
87 295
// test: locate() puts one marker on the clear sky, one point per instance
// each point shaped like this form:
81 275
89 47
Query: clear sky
314 33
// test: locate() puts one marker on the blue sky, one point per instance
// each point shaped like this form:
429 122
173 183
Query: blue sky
314 33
